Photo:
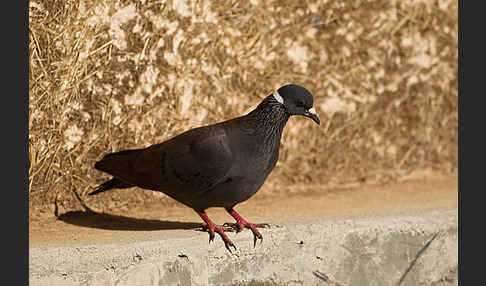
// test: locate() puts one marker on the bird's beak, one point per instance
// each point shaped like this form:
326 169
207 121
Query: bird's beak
311 113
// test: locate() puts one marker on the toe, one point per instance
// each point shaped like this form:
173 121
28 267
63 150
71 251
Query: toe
233 226
262 225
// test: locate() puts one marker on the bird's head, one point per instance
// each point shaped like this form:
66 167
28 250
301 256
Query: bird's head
297 101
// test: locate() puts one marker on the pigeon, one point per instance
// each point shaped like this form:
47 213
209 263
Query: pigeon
218 165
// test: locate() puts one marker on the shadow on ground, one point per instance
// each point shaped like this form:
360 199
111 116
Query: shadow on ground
117 222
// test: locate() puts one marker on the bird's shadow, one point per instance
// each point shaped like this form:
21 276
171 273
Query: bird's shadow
118 222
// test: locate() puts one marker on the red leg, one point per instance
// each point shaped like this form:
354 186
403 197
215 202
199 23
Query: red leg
211 227
241 223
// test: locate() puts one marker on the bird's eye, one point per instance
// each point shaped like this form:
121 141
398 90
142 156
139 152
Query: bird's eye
300 103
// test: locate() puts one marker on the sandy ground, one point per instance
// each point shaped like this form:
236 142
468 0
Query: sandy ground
417 194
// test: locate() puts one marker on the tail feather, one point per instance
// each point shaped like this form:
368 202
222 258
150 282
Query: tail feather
114 183
119 165
117 161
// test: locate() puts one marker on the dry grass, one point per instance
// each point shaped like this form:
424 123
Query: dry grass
109 75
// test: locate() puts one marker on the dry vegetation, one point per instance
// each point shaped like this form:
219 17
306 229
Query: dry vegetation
109 75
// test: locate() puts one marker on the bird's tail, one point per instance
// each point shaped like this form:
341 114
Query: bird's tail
118 161
114 183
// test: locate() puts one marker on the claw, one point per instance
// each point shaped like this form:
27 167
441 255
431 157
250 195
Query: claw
256 236
228 245
207 228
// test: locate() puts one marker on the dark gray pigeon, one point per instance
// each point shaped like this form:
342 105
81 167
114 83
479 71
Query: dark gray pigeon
218 165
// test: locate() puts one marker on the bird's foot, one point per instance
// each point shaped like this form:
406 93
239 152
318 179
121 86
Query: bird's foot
212 228
241 223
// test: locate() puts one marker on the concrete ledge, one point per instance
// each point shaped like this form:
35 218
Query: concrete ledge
394 250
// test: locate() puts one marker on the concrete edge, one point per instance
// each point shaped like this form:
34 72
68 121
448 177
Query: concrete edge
387 250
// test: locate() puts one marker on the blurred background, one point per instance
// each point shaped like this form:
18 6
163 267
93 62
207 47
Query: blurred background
111 75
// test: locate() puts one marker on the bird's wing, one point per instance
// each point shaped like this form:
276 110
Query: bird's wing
197 160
